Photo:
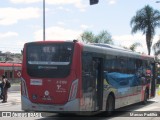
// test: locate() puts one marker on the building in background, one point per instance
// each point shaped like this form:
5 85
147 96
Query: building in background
11 70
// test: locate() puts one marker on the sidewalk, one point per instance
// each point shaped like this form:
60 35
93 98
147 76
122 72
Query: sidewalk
14 97
14 88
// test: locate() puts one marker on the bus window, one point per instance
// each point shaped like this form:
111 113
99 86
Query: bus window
122 66
110 63
139 68
33 56
48 59
131 66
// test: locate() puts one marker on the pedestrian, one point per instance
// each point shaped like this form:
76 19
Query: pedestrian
1 88
5 89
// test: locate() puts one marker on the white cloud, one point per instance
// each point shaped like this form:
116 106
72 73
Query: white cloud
128 40
25 1
7 44
112 1
84 26
61 23
9 16
7 35
76 3
64 9
58 33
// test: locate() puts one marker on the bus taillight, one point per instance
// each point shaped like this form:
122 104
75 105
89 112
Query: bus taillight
24 88
73 90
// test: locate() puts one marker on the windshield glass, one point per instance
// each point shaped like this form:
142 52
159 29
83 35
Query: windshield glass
53 58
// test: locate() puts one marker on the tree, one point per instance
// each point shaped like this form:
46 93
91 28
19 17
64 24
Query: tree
146 20
102 37
156 48
87 37
133 46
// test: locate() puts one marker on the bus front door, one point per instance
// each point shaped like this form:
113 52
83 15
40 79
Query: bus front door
92 82
98 91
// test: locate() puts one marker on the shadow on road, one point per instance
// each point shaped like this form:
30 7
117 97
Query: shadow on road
122 112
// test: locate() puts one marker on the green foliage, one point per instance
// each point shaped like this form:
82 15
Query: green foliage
102 37
156 48
10 57
134 46
146 20
87 37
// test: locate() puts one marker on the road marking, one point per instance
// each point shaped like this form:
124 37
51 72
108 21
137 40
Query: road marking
148 108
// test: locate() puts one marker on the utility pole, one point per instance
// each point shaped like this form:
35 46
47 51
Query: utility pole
44 34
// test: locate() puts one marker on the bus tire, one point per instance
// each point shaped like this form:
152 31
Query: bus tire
145 100
110 105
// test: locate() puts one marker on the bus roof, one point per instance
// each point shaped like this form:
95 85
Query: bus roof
104 48
110 46
114 50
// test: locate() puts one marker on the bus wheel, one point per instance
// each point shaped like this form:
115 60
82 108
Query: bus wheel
145 101
110 105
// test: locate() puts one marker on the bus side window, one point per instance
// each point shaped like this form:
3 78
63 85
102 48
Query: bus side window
110 63
139 68
131 66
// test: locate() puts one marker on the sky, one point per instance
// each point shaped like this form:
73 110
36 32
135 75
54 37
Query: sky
21 21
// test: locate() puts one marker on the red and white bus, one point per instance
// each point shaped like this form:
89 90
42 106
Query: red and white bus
61 76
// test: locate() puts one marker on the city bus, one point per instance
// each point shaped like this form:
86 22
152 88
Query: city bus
69 76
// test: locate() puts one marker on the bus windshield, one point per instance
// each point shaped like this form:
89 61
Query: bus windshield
49 60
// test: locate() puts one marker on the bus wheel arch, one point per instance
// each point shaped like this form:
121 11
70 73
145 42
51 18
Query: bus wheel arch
110 103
